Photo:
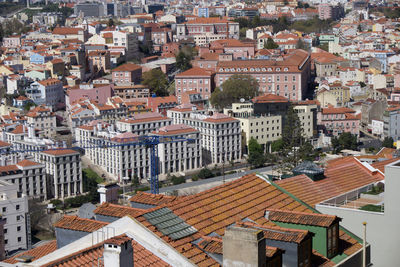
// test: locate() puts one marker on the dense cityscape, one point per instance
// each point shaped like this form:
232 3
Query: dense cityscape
199 133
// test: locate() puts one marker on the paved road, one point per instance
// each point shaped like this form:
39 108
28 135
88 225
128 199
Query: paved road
214 179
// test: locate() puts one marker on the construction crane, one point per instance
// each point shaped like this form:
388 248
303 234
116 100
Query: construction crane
149 141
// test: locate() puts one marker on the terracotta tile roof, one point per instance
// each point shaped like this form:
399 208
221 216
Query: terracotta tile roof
279 233
127 67
113 210
213 210
36 253
198 72
380 165
4 144
293 62
385 152
208 21
79 224
152 199
19 129
175 129
341 176
50 82
8 168
125 138
60 152
88 257
305 218
270 98
66 30
27 163
341 110
219 118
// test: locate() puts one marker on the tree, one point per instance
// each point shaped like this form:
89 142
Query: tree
183 58
270 44
344 141
307 152
183 61
301 45
388 142
236 87
157 81
277 145
292 133
178 179
256 154
205 173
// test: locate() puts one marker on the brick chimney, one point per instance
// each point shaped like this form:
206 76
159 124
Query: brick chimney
244 247
118 252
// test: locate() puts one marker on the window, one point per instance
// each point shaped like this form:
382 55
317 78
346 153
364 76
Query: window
18 218
18 228
19 239
17 207
4 209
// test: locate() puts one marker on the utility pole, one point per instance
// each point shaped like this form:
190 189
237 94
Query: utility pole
364 261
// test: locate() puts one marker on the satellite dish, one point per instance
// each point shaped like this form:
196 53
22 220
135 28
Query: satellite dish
242 100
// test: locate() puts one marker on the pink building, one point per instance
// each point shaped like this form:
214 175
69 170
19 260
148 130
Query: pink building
239 49
195 79
127 73
336 121
98 93
326 11
287 76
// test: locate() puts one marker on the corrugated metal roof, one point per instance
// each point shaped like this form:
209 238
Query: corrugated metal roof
169 224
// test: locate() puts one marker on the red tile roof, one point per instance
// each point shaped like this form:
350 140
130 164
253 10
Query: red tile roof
4 144
127 67
341 176
306 218
195 72
27 163
60 152
332 110
66 30
152 199
380 165
36 253
79 224
213 210
175 129
89 256
113 210
270 98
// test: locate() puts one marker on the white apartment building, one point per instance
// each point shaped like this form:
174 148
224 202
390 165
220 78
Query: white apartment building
43 119
48 92
120 155
179 156
63 170
143 123
29 176
181 112
220 137
307 114
14 209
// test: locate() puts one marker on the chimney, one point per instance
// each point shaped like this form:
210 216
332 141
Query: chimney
118 252
244 247
102 190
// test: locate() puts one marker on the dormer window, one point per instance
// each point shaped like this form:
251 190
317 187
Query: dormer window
257 69
285 69
251 69
221 69
269 69
233 69
263 69
278 69
245 69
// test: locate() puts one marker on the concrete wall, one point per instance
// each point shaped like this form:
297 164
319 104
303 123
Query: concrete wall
66 236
